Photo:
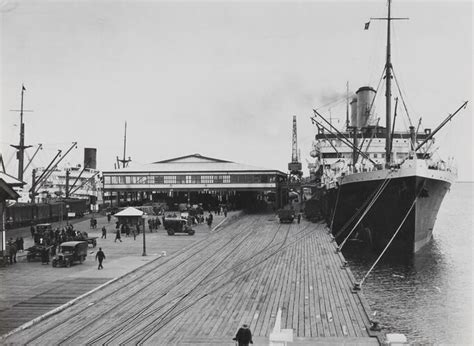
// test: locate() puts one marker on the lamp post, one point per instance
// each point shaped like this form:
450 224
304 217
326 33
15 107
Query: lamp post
144 241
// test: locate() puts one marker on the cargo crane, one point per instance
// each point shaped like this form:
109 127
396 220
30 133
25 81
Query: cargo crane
123 161
295 165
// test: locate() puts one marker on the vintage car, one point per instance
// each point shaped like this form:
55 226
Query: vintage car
286 215
36 251
70 252
177 225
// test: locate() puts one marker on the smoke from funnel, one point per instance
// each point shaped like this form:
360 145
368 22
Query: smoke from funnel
90 158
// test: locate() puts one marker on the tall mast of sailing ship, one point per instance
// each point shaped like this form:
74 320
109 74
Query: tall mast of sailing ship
388 94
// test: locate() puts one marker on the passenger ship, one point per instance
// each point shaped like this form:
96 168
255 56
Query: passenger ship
375 184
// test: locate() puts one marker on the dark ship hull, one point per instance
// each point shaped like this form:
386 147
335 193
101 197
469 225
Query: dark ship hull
339 205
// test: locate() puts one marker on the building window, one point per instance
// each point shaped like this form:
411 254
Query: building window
159 179
122 179
195 179
141 180
207 179
180 179
150 179
170 179
226 179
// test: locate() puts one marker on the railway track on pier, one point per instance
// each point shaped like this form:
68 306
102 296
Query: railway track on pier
240 273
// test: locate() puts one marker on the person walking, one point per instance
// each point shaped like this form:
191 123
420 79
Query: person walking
11 251
299 217
45 255
209 220
100 256
134 233
109 216
104 233
117 235
244 336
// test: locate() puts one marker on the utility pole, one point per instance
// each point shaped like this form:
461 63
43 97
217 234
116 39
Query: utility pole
20 155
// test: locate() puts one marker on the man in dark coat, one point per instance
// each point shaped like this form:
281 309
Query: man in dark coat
100 256
117 235
104 233
244 336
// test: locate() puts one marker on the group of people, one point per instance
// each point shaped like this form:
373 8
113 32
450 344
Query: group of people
127 229
221 210
55 237
153 224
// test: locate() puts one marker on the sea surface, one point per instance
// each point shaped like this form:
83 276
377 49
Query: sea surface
428 297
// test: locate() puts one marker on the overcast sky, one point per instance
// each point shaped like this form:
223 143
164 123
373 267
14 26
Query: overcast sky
221 79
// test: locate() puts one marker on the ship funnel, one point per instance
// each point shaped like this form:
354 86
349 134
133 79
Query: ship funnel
354 112
90 158
365 97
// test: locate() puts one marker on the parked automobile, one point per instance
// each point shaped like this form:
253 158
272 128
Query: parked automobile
286 215
177 225
70 252
36 251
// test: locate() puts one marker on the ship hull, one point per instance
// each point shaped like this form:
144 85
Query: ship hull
389 210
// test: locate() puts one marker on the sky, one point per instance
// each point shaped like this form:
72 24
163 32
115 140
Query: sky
222 79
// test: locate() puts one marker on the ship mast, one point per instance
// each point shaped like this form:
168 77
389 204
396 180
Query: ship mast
388 86
388 95
21 147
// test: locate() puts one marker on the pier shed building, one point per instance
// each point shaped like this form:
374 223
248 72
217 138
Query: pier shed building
195 179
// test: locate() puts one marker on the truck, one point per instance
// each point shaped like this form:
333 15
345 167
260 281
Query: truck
286 215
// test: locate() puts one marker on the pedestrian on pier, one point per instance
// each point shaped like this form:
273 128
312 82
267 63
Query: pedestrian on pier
244 336
104 233
109 216
117 235
45 255
11 251
100 256
209 220
134 233
299 217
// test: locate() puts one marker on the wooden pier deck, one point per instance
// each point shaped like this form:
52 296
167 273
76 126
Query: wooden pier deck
241 273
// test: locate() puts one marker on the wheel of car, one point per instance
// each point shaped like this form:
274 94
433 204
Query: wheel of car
68 264
28 258
80 259
170 232
55 264
191 232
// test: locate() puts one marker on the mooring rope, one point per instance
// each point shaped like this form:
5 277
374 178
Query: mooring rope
359 284
378 194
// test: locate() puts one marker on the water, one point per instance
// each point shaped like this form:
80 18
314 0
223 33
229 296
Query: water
429 297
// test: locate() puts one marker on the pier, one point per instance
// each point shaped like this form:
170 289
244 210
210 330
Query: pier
242 272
